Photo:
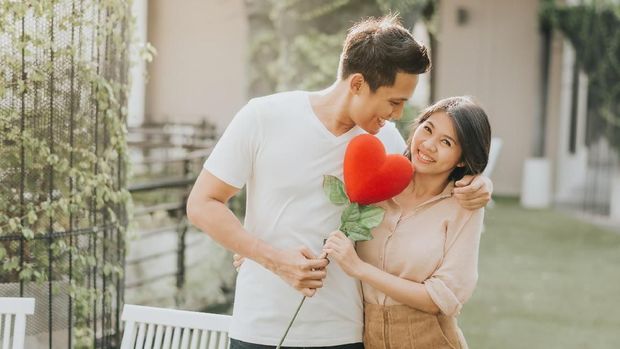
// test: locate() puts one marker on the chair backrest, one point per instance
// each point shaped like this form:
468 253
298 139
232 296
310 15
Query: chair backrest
13 313
496 147
160 328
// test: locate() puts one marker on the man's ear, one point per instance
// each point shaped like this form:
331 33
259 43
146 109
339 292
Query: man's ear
356 82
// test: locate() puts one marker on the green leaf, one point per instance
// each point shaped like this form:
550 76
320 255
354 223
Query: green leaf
11 264
351 213
334 189
25 274
53 159
13 223
32 216
355 231
27 233
39 277
371 216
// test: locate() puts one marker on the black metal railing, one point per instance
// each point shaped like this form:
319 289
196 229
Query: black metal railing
63 73
167 160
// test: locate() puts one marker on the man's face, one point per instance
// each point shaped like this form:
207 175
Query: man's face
370 110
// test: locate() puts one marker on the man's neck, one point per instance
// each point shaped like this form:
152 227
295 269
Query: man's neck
330 107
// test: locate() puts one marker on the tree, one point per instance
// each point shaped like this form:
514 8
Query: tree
295 44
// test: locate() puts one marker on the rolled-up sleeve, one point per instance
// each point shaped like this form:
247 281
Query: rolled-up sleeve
454 281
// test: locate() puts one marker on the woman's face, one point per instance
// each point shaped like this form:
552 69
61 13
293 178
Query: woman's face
435 148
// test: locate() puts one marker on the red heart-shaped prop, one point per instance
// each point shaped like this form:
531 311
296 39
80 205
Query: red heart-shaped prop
370 175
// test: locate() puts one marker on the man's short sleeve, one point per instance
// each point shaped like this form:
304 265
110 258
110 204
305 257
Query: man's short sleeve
232 159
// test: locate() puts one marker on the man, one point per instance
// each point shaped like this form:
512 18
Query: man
280 146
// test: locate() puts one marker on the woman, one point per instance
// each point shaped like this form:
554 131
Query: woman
421 266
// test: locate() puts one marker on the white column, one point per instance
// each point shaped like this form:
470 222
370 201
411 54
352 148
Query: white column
138 69
614 209
536 186
422 96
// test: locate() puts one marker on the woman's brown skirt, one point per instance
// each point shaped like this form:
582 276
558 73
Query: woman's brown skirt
400 327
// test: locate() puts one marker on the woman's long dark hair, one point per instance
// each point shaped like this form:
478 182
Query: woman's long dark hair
472 130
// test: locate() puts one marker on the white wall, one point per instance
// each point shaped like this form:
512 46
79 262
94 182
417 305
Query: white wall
495 57
422 94
200 68
137 72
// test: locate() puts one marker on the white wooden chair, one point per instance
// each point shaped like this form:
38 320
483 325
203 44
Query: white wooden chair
160 328
13 313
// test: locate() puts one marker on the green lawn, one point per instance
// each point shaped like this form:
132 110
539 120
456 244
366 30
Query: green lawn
546 281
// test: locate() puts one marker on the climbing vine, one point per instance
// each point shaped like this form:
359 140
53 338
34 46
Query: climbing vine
63 154
593 28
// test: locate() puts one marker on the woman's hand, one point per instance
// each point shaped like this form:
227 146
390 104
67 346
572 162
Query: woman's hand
342 250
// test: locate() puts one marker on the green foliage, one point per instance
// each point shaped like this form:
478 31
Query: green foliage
370 216
356 220
334 189
359 220
593 28
62 145
296 44
351 213
355 231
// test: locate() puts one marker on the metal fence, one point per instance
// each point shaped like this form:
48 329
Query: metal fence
166 254
62 74
602 165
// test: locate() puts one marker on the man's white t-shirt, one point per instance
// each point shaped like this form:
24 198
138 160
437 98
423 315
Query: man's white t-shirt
278 147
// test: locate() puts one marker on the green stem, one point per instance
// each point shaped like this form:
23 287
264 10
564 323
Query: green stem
291 323
296 311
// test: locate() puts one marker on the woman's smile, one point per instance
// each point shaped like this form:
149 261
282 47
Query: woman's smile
423 158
